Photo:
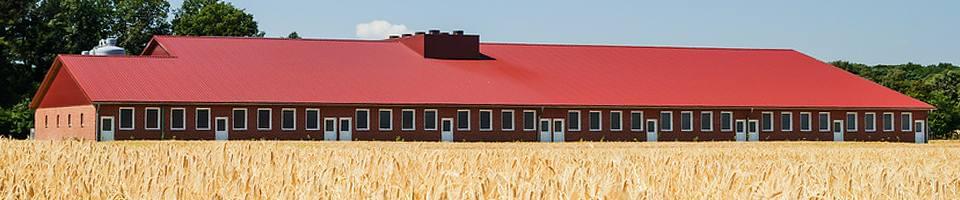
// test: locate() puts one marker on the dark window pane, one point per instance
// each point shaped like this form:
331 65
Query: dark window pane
869 122
289 122
329 125
766 121
786 123
221 125
153 118
407 120
177 120
706 121
239 119
573 118
529 120
636 121
126 118
344 125
430 120
363 117
447 126
203 119
905 122
263 119
486 120
463 120
506 120
313 117
616 121
741 127
666 121
805 121
386 120
107 125
823 121
888 122
851 122
686 121
544 125
594 120
752 127
726 119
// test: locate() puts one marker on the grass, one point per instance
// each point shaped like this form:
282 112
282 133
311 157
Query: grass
388 170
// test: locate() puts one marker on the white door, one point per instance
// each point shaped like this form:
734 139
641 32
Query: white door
106 128
838 130
920 131
345 127
220 128
446 130
741 128
558 135
753 130
330 129
545 131
651 130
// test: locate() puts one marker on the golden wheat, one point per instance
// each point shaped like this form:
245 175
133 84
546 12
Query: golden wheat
387 170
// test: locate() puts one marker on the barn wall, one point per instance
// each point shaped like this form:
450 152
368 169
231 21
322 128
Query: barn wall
474 134
77 122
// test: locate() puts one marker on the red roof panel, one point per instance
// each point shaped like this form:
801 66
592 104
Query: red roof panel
217 69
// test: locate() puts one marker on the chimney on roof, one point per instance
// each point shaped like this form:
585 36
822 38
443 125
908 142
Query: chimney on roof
454 45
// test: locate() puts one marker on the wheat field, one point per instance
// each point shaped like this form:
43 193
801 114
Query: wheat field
388 170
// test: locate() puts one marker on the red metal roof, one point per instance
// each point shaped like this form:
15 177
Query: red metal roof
258 70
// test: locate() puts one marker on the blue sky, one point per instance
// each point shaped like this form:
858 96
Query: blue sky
872 32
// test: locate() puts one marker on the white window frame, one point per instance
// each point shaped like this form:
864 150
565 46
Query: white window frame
599 120
489 122
269 119
380 118
306 113
145 122
457 120
731 124
196 118
711 121
579 120
368 119
909 125
642 121
294 119
829 122
436 115
855 127
772 126
780 118
413 117
536 122
133 119
691 121
893 122
620 121
667 121
246 119
513 122
874 121
809 122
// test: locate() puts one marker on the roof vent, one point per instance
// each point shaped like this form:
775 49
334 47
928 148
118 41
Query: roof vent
106 47
446 45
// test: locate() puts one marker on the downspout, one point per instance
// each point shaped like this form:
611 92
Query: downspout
96 122
162 130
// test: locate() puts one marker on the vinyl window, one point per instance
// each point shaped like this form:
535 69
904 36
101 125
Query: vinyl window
573 120
616 120
666 121
430 119
636 120
312 118
126 119
888 122
288 119
870 122
766 121
151 119
686 121
851 122
363 119
203 119
239 119
726 121
264 119
823 121
529 120
805 122
906 121
507 123
595 121
408 120
486 120
385 119
706 121
786 121
463 120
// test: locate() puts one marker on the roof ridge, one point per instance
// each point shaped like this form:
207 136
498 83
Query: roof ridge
112 56
638 46
271 38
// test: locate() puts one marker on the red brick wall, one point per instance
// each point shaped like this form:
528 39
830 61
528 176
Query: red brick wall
518 134
74 122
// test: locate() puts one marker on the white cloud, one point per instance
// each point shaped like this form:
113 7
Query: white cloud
379 29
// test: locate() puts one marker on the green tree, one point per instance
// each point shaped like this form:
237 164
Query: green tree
213 18
294 35
138 21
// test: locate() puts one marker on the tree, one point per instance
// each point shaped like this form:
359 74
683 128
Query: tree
213 18
294 35
138 21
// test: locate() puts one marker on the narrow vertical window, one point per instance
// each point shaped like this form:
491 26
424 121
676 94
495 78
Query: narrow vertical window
288 119
805 122
69 120
264 119
126 119
529 120
239 119
151 119
595 121
888 122
666 121
312 119
408 120
906 121
636 120
430 119
203 119
786 121
58 121
363 119
46 119
823 121
870 122
178 119
486 120
616 120
726 121
766 121
573 120
463 120
852 122
706 121
686 121
81 120
507 121
385 119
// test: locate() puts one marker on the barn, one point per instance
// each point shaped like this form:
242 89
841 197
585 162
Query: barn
448 86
